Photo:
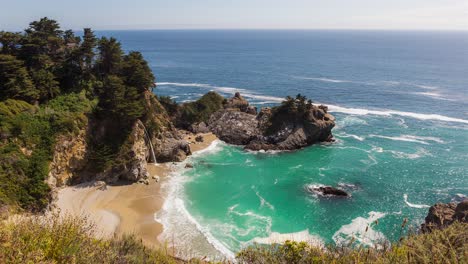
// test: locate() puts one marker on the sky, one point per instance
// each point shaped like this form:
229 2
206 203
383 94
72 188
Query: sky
239 14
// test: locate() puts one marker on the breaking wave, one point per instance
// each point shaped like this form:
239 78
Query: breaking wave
333 108
280 238
411 138
360 229
405 197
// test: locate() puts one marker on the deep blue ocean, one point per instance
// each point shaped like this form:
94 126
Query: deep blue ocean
401 103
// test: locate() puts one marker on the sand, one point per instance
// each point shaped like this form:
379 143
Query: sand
126 208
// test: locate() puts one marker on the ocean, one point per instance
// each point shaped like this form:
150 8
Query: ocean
401 104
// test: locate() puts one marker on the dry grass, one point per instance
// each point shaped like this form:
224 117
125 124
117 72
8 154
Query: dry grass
449 245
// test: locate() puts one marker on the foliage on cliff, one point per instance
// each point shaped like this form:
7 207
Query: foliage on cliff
28 135
291 109
190 113
52 82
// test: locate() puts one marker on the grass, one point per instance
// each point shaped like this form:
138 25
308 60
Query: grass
66 239
449 245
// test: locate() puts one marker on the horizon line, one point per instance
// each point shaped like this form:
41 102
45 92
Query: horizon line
259 29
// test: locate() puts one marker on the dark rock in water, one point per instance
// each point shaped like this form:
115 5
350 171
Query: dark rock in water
199 139
442 215
291 126
188 166
328 191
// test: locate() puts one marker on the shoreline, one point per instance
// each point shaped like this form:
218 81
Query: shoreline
124 208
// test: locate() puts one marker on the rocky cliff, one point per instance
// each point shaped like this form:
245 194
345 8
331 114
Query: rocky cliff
73 157
69 158
442 215
292 125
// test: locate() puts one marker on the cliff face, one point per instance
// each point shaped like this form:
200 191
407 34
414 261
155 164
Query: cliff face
73 157
69 158
442 215
272 128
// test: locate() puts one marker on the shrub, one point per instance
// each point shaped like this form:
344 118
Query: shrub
200 110
449 245
66 239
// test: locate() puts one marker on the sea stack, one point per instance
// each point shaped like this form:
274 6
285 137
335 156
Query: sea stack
294 124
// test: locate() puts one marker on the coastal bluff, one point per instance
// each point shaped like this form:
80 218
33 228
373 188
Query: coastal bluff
294 124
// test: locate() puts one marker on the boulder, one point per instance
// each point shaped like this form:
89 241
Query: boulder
442 215
188 166
199 128
234 127
199 139
327 191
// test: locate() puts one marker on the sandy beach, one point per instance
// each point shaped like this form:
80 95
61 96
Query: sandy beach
124 209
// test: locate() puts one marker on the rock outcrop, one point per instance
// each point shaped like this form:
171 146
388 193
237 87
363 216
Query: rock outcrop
273 128
234 127
442 215
68 160
327 191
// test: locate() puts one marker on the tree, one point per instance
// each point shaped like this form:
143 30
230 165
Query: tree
15 81
10 42
87 50
136 72
43 39
110 57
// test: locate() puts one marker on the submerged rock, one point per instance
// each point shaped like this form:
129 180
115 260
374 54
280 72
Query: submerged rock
442 215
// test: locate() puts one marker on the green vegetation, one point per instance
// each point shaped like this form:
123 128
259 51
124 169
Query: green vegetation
28 135
51 83
290 110
193 112
69 240
449 245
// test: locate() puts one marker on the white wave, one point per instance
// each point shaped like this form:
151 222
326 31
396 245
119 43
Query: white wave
279 238
181 229
254 221
405 197
345 135
215 146
264 202
421 152
321 79
362 111
411 138
332 108
434 95
360 229
350 121
227 90
296 167
428 87
321 171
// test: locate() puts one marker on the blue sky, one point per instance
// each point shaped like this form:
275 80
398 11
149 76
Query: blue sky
239 14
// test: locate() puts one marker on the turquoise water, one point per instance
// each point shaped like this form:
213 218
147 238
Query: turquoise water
400 100
242 195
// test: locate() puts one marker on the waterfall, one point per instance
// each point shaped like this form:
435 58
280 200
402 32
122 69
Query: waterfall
148 138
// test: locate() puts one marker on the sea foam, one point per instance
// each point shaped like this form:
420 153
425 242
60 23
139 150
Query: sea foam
405 197
280 238
361 230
